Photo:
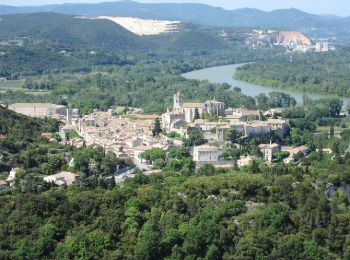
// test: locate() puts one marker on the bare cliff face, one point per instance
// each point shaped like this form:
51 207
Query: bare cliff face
293 36
288 39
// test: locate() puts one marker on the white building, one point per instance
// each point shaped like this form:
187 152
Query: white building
39 109
62 178
268 150
206 153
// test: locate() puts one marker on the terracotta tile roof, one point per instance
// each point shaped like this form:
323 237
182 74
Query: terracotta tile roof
144 116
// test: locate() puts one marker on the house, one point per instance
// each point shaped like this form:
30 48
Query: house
169 118
257 128
3 185
222 132
273 111
206 153
325 150
63 178
204 125
300 150
237 117
279 126
268 150
248 113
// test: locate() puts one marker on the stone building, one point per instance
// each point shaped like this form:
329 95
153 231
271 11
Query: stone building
206 153
39 109
212 107
268 150
62 178
170 118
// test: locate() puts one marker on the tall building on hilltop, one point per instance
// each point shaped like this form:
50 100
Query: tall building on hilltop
212 107
178 102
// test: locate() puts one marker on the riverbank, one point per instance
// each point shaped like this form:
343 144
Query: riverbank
280 86
224 74
319 73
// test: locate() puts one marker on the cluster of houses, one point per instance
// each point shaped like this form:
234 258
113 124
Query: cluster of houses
128 137
244 122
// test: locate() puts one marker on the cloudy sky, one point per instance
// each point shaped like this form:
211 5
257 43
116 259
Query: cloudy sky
339 7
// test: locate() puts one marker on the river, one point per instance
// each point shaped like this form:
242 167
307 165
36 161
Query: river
224 74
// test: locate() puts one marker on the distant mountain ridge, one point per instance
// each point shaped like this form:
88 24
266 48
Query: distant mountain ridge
197 13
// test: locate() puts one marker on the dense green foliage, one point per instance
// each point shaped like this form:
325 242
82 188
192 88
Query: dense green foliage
325 73
279 212
143 85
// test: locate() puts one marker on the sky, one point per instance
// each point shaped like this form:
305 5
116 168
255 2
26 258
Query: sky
336 7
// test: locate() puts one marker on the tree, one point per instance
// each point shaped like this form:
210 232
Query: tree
206 170
157 128
153 155
195 137
109 163
147 242
263 101
331 131
280 99
196 114
232 136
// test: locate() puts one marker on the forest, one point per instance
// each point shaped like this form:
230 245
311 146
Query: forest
325 73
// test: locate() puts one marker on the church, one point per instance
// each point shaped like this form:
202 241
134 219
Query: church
184 113
212 107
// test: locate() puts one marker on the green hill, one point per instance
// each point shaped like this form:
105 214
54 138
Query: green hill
68 31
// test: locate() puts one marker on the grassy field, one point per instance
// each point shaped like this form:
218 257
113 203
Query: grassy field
18 85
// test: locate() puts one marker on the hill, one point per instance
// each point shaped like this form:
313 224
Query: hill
37 42
67 31
199 14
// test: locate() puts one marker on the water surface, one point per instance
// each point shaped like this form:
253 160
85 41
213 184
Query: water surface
224 74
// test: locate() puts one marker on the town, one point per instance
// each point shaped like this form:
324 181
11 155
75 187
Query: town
214 129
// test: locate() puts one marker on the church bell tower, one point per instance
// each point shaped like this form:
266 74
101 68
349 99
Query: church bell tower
178 102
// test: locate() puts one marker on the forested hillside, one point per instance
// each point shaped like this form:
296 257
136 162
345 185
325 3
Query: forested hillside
66 31
34 43
70 32
326 73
